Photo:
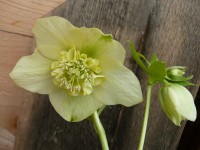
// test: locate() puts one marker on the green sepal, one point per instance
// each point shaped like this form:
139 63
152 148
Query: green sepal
136 56
183 83
156 71
178 78
182 68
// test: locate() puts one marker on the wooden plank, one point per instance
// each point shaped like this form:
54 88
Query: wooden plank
18 16
172 37
45 128
12 47
6 139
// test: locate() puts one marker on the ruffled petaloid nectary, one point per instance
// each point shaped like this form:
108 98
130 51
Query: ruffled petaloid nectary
80 68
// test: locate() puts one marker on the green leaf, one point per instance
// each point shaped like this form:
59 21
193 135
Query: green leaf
143 57
156 71
137 57
153 58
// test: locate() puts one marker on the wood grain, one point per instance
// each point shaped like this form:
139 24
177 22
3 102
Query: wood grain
12 47
18 16
172 34
46 129
6 139
170 29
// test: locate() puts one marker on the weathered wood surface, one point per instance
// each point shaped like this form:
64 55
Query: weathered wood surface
18 16
6 139
172 34
168 28
12 47
16 20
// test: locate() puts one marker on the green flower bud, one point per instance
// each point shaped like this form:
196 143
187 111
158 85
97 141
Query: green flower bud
177 103
176 72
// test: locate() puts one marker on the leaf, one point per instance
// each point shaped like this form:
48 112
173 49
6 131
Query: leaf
156 71
137 57
153 58
143 57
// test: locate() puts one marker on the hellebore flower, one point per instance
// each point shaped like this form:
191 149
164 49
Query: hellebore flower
177 103
80 68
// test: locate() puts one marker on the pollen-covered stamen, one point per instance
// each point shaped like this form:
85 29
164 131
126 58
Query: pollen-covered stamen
76 72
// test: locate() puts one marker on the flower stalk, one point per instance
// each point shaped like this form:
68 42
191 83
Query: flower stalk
146 116
100 131
176 101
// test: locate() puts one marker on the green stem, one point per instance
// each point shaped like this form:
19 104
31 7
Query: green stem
146 116
100 130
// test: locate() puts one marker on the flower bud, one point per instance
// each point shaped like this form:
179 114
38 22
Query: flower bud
177 103
176 72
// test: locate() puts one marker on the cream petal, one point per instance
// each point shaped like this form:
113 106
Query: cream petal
168 106
55 34
110 53
95 44
51 36
33 73
120 86
183 101
73 108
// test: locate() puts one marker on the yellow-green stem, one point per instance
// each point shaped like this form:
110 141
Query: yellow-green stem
146 116
100 130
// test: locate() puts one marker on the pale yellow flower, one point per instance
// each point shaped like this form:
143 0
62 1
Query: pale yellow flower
80 68
177 103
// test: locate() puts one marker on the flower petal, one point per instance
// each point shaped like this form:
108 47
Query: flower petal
95 44
73 108
55 34
168 106
33 73
183 101
51 34
113 54
121 86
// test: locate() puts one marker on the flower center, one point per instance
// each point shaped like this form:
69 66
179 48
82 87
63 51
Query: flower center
76 72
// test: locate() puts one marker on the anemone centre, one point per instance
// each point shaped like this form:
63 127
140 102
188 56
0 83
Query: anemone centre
76 72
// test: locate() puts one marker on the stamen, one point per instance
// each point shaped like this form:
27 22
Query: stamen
76 72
